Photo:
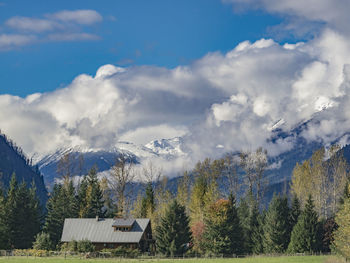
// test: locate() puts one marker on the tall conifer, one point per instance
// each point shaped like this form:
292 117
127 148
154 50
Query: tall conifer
276 228
306 234
3 225
173 234
223 232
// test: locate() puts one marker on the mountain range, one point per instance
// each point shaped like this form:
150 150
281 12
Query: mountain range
277 175
14 161
42 169
164 149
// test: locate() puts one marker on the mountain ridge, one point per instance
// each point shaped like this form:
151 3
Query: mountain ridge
14 161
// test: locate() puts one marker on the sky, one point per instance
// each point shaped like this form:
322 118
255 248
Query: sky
222 74
125 33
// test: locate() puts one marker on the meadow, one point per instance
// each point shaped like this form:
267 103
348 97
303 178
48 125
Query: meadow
284 259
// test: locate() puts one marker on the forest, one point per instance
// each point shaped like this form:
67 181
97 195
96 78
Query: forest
309 215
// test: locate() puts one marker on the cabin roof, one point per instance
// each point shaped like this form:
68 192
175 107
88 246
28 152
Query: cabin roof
122 222
102 230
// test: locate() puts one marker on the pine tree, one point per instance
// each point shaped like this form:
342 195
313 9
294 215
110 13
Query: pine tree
294 212
223 232
12 212
62 204
82 197
35 214
22 215
258 233
71 206
96 201
306 234
147 203
276 228
173 234
3 225
94 197
55 217
250 221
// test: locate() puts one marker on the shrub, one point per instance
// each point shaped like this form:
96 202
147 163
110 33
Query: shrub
43 242
84 246
122 251
31 252
70 246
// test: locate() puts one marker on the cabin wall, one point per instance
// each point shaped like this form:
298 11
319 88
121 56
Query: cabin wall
100 246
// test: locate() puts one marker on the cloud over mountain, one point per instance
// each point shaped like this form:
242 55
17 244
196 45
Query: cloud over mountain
219 103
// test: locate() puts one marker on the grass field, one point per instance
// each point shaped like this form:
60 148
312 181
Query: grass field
298 259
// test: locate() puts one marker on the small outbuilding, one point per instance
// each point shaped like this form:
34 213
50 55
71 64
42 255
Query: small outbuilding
110 233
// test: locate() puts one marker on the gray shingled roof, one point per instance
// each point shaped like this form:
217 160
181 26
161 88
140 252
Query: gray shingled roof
123 222
101 231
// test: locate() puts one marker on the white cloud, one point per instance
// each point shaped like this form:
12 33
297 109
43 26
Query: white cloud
9 41
144 135
72 37
232 99
83 17
61 26
31 24
332 13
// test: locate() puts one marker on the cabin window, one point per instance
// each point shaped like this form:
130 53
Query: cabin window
119 228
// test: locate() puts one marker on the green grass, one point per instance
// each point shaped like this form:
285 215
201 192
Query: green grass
295 259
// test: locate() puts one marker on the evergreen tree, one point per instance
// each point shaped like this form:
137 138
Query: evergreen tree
55 216
82 197
250 218
62 204
3 225
12 212
294 212
147 203
94 197
22 215
97 200
35 215
223 232
256 222
173 234
276 228
306 234
71 206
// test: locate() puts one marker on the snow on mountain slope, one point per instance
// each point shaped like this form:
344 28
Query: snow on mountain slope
158 150
167 148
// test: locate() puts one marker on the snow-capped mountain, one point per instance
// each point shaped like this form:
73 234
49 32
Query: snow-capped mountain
83 159
167 148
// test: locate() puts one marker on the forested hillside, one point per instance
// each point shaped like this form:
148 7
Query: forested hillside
13 160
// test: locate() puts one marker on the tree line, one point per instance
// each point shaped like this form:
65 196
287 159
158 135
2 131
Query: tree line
201 217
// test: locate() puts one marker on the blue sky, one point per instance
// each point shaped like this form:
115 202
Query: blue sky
136 71
158 32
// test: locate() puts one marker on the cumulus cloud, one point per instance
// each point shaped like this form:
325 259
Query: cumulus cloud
219 103
332 13
234 100
60 26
